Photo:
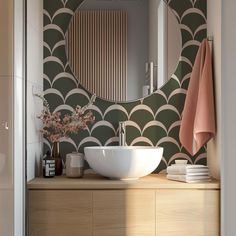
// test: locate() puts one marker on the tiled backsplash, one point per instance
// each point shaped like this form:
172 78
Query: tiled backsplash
153 120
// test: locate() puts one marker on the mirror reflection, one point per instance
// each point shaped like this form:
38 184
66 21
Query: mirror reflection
123 50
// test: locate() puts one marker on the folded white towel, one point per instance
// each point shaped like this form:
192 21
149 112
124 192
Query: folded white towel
189 179
190 174
187 169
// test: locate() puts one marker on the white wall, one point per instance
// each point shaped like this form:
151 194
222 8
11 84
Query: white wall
34 85
214 29
228 98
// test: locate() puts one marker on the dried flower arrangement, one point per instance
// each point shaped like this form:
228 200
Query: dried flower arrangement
56 126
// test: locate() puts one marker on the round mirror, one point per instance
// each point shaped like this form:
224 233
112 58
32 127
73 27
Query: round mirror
123 50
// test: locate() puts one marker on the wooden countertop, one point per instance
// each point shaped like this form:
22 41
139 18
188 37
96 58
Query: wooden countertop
96 182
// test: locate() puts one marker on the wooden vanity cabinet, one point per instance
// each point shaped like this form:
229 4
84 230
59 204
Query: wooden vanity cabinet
124 212
151 206
187 212
60 213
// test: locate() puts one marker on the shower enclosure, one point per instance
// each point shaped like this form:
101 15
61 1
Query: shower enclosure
12 123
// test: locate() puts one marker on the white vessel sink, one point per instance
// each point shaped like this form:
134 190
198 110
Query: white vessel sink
123 162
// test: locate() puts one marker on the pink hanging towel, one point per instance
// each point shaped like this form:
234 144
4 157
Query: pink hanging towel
198 118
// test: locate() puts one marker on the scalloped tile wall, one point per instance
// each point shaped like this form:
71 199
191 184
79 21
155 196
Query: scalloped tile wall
154 120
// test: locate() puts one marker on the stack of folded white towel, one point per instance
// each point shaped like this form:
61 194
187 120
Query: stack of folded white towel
181 171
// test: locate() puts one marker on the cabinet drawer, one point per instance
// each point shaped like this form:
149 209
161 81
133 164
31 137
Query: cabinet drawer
187 212
60 213
124 213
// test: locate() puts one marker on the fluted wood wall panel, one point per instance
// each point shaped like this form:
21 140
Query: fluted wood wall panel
97 51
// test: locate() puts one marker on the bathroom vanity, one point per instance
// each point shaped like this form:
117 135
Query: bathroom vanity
150 206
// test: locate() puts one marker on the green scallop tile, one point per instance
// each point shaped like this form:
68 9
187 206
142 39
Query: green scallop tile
174 133
141 117
170 87
193 20
103 133
142 144
63 21
73 5
180 6
201 35
186 36
46 20
185 84
51 37
46 85
78 137
170 149
183 69
131 134
178 101
77 99
97 115
190 52
103 105
61 53
87 144
115 116
52 69
129 106
113 144
201 5
66 148
54 101
167 117
52 6
46 52
154 133
162 166
155 101
64 85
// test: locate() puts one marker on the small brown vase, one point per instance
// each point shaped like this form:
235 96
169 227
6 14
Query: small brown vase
57 157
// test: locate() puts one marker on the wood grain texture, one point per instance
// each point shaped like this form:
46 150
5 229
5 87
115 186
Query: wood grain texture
155 181
124 213
187 212
60 213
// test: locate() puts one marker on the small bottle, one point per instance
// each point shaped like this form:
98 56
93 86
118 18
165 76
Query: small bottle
58 160
48 166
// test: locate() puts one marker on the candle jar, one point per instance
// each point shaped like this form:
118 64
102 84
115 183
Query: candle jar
75 165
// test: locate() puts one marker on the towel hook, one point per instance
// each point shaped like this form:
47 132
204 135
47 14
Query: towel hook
210 38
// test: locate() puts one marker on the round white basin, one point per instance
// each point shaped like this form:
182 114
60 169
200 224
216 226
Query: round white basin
123 162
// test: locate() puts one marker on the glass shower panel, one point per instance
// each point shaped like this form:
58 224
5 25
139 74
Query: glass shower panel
6 114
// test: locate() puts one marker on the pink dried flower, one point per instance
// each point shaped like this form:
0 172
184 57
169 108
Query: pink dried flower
56 127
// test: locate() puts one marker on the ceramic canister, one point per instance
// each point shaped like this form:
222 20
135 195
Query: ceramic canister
75 165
